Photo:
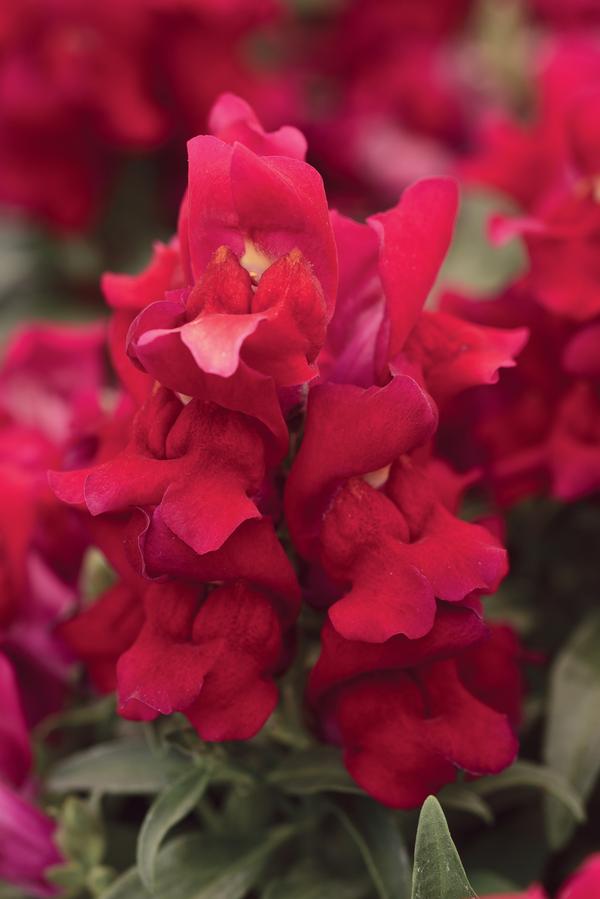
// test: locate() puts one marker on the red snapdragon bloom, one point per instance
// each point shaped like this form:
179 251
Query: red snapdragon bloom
211 657
225 644
394 102
385 350
399 548
72 85
585 882
533 161
239 305
387 270
199 463
406 712
79 89
551 168
539 428
575 14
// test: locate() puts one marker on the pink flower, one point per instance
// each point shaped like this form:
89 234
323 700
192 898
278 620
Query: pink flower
49 389
25 832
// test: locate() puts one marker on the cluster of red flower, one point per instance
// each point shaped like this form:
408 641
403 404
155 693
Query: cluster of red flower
386 92
541 427
82 83
231 343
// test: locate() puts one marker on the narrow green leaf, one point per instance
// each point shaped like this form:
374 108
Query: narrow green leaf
572 739
309 882
202 867
528 774
313 771
170 806
100 711
438 872
375 833
462 798
122 766
515 848
489 882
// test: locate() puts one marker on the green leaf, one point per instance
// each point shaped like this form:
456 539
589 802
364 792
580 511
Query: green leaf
488 883
202 867
528 774
8 892
96 574
375 833
166 811
307 881
474 264
515 848
438 872
100 711
99 878
313 771
80 834
122 766
572 739
71 876
461 798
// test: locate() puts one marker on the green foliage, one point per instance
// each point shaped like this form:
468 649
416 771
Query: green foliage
315 770
96 574
572 739
173 804
81 838
309 881
438 872
539 777
122 767
459 797
376 836
195 867
474 264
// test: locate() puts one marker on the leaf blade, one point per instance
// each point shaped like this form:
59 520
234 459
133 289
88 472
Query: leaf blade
194 867
530 774
170 807
120 766
313 771
373 830
572 738
438 872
